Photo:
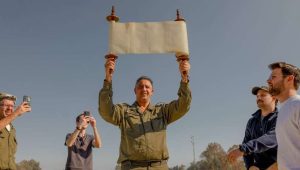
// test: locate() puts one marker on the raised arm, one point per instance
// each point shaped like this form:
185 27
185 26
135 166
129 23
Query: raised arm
70 139
109 69
21 109
184 69
177 108
97 139
107 110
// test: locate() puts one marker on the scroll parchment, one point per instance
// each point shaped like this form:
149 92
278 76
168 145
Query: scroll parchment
148 38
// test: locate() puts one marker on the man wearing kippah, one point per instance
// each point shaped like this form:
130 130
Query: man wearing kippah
259 147
283 83
8 142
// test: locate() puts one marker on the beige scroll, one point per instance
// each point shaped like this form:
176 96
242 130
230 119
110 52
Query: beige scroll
148 38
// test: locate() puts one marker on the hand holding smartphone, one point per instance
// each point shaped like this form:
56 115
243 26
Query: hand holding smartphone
87 115
27 99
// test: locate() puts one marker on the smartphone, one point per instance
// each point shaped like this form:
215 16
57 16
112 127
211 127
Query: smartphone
27 99
87 113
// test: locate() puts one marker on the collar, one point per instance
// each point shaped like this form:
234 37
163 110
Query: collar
150 106
8 127
257 114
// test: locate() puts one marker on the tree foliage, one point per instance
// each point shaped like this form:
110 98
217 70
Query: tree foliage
181 167
28 165
214 158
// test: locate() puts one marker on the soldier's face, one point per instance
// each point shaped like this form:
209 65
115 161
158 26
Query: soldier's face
143 91
6 107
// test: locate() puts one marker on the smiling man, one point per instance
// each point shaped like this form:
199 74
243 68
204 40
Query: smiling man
143 125
8 141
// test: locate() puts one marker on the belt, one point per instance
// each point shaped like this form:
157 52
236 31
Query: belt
144 163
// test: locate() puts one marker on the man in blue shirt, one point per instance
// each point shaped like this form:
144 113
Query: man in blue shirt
259 147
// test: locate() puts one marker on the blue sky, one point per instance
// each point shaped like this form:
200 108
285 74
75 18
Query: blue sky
54 51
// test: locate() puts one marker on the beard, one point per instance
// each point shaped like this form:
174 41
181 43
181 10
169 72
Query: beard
276 90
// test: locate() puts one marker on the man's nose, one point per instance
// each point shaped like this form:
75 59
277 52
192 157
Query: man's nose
10 107
269 79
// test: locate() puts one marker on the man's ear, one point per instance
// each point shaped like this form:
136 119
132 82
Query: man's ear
292 77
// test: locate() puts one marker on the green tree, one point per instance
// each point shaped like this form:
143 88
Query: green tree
28 165
193 166
181 167
215 158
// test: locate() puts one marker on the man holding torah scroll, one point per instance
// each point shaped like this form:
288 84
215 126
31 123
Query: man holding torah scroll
143 124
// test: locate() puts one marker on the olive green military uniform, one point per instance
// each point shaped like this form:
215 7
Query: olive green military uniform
143 135
8 148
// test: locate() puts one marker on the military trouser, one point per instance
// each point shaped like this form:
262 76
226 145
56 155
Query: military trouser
137 165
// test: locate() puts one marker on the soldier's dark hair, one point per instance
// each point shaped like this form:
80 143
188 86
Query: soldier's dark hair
288 69
143 78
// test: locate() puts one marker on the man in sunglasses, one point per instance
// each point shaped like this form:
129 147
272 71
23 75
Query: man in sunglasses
8 142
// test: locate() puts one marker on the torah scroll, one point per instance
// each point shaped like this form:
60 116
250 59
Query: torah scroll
148 38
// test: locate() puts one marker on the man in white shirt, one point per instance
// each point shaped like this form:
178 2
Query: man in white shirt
283 83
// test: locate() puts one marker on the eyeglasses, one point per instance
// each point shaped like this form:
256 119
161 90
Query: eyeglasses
7 105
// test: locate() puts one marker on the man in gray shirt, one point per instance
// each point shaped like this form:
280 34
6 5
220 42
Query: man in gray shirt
80 143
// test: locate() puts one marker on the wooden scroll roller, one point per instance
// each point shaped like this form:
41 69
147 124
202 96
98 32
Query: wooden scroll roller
112 18
181 57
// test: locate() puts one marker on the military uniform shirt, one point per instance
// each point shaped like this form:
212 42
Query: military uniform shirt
143 135
8 148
